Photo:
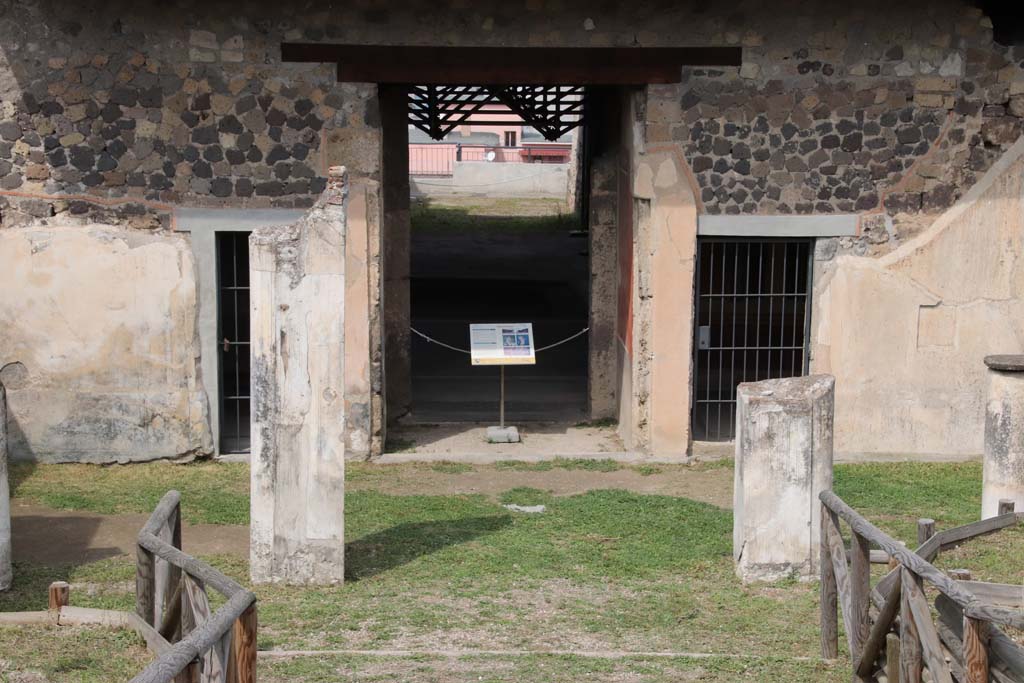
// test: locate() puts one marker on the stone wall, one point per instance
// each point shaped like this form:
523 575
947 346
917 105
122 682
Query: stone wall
117 112
905 334
869 108
98 348
883 114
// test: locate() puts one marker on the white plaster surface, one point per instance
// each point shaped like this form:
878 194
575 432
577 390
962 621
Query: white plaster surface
905 334
497 179
783 462
298 367
98 345
1003 470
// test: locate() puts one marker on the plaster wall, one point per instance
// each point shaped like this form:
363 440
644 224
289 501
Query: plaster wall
664 241
888 112
498 179
905 334
98 346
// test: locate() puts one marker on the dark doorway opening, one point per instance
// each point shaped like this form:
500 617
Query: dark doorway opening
492 259
752 322
233 333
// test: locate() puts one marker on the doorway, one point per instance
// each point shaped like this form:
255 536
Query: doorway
234 336
488 259
752 322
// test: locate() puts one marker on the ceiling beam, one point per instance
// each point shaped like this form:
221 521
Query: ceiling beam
409 64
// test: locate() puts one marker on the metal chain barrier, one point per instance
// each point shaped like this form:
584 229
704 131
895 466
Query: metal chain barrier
466 351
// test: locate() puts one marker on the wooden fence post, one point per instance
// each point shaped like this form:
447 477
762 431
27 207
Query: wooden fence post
925 530
59 595
860 591
892 658
243 644
145 584
976 634
910 646
172 596
829 596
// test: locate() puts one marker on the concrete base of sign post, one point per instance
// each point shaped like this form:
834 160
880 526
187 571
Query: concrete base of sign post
502 435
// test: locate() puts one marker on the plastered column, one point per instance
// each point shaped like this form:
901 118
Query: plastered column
298 373
1004 434
666 234
5 500
783 461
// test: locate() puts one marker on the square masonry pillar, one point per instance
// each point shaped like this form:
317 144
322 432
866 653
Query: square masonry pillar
783 461
1003 473
300 401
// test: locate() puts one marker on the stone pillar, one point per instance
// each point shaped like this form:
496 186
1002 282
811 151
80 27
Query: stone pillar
783 461
1004 434
298 385
5 500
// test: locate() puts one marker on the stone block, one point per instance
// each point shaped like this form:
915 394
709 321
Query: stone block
1003 474
5 500
935 84
783 461
502 435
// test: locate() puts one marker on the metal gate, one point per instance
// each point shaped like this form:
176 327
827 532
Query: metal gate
752 322
233 332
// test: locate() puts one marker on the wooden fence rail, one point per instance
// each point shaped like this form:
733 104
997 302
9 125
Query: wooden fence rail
889 627
170 596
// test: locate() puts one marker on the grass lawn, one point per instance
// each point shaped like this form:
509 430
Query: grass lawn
462 215
441 577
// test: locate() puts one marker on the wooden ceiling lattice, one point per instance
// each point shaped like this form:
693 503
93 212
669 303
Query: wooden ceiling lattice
552 110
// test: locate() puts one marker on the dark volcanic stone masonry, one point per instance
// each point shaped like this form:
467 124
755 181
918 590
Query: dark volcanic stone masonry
872 107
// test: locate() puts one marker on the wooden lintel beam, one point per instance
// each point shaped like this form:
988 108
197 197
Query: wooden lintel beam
404 64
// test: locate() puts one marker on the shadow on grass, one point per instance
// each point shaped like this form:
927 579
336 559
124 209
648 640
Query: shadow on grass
403 543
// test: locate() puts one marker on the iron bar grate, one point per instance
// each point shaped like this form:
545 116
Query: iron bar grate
752 323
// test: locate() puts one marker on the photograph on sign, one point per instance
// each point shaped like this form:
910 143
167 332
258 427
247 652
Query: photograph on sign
502 344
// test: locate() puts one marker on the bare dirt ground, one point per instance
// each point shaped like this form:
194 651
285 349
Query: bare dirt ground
45 536
471 440
712 486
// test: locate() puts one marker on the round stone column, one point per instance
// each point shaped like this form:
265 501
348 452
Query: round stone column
1004 434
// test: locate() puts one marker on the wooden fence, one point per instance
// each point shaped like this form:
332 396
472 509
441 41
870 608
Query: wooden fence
889 628
194 645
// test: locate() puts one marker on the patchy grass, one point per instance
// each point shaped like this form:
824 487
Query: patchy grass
589 464
399 445
994 558
491 215
65 653
451 467
545 668
714 464
216 493
895 495
602 423
606 570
